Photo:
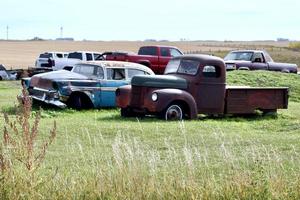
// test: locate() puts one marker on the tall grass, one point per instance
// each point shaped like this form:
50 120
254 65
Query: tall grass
233 168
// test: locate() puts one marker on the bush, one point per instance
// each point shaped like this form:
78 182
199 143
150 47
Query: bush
294 45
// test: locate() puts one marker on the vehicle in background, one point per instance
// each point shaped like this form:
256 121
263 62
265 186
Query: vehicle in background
75 58
6 75
256 60
192 85
48 59
154 57
88 85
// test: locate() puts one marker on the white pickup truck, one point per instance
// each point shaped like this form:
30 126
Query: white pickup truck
48 59
76 57
61 60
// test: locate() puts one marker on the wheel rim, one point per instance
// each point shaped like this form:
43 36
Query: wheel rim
174 112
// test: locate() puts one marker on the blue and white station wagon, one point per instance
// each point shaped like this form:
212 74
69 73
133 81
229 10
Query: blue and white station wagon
88 85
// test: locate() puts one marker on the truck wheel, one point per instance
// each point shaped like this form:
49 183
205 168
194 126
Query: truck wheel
1 78
125 112
173 112
285 71
269 112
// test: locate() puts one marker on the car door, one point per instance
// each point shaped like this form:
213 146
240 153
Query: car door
115 77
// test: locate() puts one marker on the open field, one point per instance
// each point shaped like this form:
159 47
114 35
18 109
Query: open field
98 154
21 54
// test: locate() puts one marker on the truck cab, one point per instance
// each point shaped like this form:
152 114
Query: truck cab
192 85
154 57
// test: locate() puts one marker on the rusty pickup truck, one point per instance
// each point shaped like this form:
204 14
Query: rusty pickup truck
192 85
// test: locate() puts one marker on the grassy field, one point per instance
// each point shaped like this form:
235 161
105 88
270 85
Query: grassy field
98 154
21 54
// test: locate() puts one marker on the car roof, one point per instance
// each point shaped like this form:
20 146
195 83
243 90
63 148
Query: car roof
85 52
250 51
118 64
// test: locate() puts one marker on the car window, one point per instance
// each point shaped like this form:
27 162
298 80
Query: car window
172 66
46 55
211 71
75 55
257 57
164 52
2 68
89 56
97 56
175 52
91 71
150 51
115 74
59 55
134 72
188 67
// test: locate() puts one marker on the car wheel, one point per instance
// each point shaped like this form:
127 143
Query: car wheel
75 102
173 112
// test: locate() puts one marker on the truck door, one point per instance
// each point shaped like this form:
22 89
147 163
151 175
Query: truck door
211 90
259 62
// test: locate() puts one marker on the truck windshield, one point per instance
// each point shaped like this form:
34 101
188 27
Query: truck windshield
182 66
75 55
247 56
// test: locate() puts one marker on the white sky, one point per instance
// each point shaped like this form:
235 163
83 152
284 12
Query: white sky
151 19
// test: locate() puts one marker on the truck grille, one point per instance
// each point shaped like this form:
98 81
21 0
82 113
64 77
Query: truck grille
137 96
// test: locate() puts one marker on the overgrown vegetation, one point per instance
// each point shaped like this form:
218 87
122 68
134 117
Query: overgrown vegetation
100 155
294 45
20 156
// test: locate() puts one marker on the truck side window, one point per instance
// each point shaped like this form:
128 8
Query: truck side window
164 52
175 52
148 51
258 57
211 71
89 56
59 55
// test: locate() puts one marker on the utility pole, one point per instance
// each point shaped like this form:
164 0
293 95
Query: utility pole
7 28
61 32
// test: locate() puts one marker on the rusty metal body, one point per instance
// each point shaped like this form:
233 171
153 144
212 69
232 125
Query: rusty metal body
197 86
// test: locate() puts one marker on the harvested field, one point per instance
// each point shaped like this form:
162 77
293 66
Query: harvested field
22 54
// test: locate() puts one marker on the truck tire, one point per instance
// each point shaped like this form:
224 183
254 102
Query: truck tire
1 78
269 112
125 112
244 68
285 71
173 112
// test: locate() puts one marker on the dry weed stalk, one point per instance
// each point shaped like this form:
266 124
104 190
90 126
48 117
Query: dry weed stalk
19 138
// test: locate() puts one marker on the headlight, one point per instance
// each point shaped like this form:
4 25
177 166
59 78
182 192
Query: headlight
56 95
154 96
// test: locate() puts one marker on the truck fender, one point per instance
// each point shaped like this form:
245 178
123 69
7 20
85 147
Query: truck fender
169 96
147 63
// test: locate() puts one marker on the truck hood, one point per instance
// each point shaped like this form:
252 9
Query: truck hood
159 81
45 80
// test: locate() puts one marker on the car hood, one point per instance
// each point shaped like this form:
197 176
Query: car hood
45 80
159 81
